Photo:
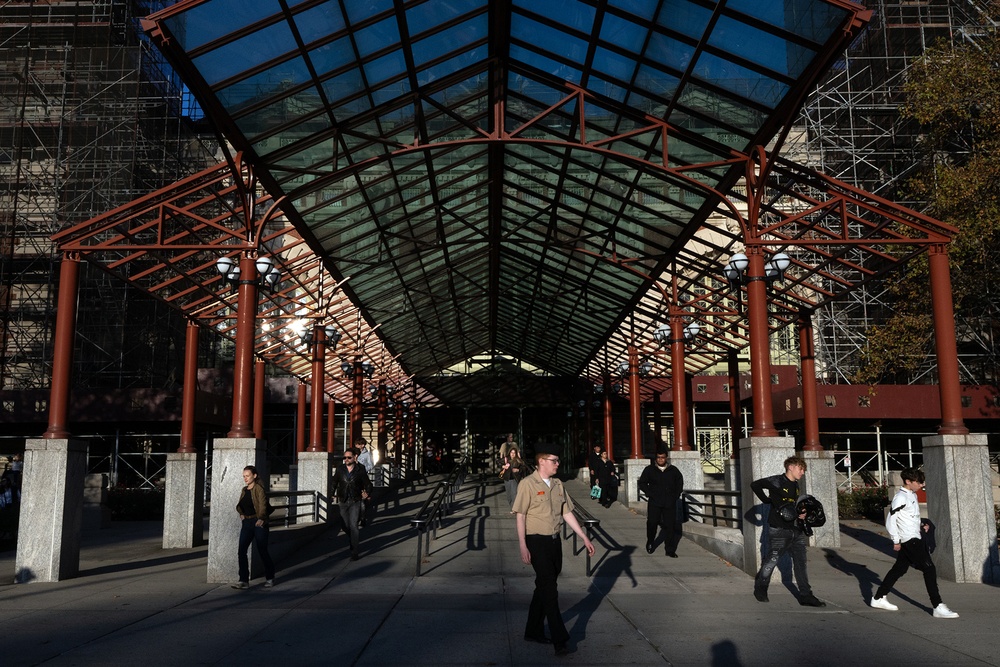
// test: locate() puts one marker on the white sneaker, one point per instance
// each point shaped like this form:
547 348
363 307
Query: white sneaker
883 603
942 611
269 583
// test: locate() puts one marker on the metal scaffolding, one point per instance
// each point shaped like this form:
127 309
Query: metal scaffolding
852 129
91 117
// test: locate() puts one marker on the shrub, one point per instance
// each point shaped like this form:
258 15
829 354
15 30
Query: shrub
866 502
136 504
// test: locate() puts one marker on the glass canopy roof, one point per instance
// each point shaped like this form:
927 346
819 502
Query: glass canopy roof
469 166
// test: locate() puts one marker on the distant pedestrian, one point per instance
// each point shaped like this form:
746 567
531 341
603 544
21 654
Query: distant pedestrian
351 486
784 532
608 478
513 470
904 526
594 465
253 509
662 483
542 505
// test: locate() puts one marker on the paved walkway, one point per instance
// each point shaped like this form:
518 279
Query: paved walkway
137 604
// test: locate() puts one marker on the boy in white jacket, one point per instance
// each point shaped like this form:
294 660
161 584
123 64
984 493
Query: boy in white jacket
904 528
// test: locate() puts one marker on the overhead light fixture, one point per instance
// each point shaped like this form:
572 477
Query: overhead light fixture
267 273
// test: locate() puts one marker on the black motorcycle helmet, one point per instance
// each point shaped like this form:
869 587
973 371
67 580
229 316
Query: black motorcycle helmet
815 516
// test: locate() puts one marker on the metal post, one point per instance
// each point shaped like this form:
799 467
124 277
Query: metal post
190 388
62 347
635 403
317 381
246 325
810 411
945 344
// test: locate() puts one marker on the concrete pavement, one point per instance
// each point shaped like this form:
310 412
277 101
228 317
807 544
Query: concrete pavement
135 603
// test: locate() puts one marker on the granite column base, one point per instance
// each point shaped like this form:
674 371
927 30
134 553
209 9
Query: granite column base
315 475
48 542
960 505
183 524
820 481
759 457
229 457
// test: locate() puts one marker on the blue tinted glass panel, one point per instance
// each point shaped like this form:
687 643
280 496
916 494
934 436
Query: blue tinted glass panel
263 85
541 35
359 10
343 86
739 80
762 47
379 36
319 22
333 56
390 92
669 52
452 39
431 14
544 64
570 13
656 82
684 17
644 8
806 18
606 88
614 65
623 34
448 67
386 67
211 20
246 52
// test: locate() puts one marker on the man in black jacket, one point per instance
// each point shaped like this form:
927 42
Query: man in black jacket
662 483
351 485
784 533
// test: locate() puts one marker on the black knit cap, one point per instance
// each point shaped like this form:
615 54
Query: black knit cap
548 448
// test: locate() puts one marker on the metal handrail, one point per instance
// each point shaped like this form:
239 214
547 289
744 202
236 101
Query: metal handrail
288 518
589 523
726 512
431 512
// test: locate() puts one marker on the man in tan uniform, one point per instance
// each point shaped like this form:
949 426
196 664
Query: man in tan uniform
542 505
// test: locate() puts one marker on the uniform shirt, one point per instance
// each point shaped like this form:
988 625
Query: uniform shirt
542 505
903 522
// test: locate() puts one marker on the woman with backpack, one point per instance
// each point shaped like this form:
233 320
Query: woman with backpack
253 510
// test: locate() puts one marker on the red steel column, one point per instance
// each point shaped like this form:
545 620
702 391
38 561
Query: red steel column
300 420
62 347
657 419
259 389
246 326
316 407
945 345
383 435
810 409
331 423
760 346
635 402
679 384
190 388
608 432
358 402
734 403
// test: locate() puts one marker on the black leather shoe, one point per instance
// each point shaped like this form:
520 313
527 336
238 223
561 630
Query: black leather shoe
355 557
649 547
538 640
671 554
760 595
811 601
563 649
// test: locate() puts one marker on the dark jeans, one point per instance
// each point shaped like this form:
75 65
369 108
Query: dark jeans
251 532
912 553
546 559
350 512
779 541
666 517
